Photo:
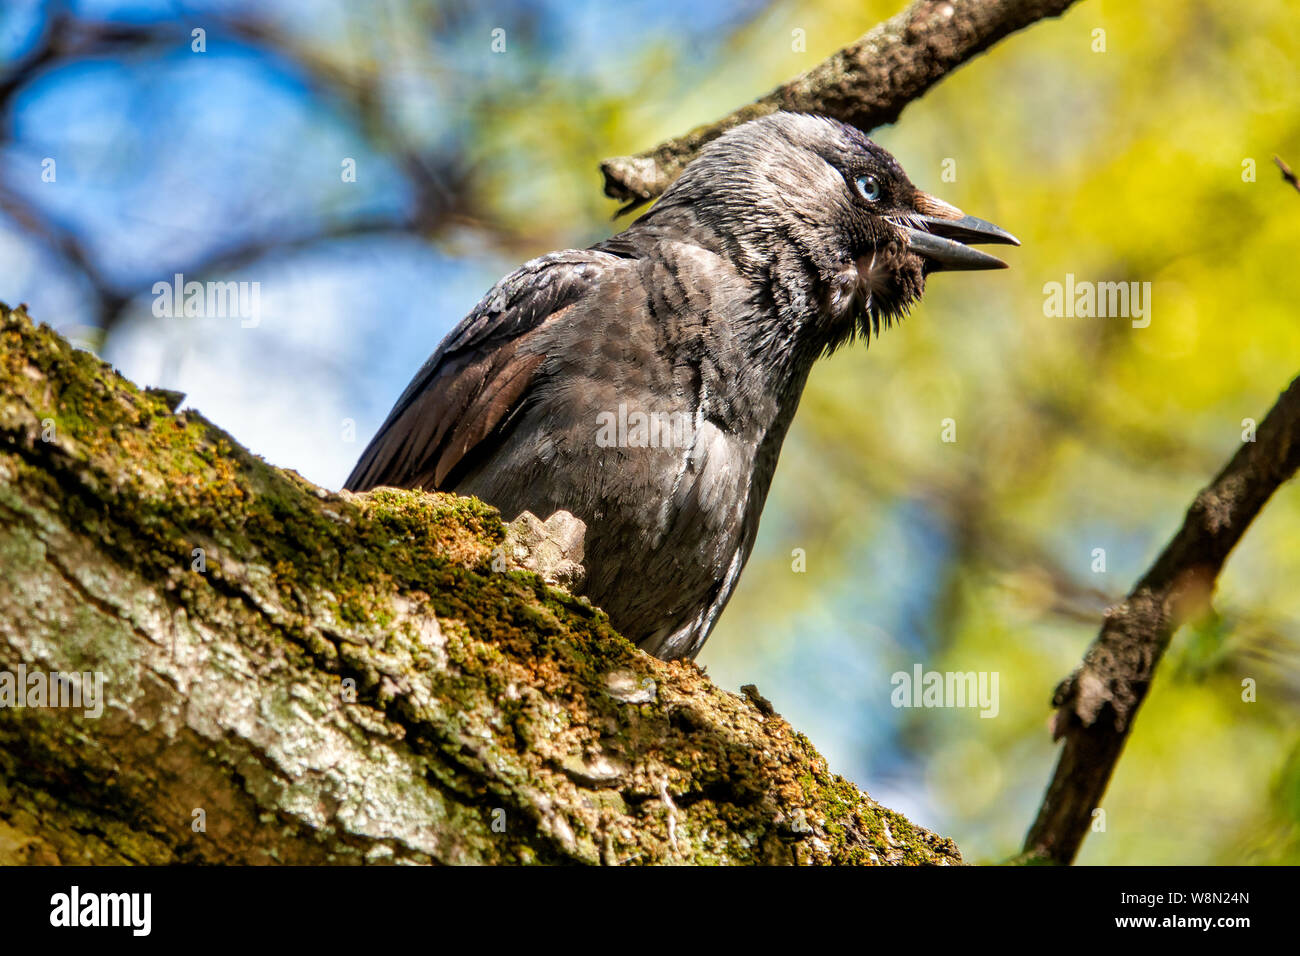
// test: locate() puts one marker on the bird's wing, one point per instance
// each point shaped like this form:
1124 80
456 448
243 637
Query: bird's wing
470 388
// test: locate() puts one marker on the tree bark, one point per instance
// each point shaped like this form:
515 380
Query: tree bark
293 675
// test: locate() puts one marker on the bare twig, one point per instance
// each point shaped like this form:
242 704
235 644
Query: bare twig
867 83
1097 704
1287 174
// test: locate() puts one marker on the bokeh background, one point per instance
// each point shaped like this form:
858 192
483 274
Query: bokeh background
1128 163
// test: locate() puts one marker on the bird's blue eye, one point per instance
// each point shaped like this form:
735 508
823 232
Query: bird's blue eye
868 187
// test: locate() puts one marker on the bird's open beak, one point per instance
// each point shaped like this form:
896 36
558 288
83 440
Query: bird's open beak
945 242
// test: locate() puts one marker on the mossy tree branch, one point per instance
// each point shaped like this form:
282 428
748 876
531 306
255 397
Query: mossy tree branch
344 679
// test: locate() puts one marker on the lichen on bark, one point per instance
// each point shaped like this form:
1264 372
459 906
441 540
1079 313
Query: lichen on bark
294 675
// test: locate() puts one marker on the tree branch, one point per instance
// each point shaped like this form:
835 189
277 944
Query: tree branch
1287 173
342 678
866 84
1097 704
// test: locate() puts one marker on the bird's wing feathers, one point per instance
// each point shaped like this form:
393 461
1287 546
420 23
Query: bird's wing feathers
470 388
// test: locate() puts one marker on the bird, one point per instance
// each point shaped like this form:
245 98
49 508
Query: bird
646 384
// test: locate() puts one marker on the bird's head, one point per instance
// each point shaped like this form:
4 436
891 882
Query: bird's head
827 220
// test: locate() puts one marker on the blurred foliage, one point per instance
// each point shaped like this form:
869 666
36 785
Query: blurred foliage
1073 434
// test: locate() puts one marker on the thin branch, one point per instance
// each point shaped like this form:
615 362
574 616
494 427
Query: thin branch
1287 174
64 38
866 83
67 245
1097 704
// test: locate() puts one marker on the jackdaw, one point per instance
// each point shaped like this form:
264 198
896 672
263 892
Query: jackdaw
646 384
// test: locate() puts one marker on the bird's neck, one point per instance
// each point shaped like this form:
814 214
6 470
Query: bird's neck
755 319
777 302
